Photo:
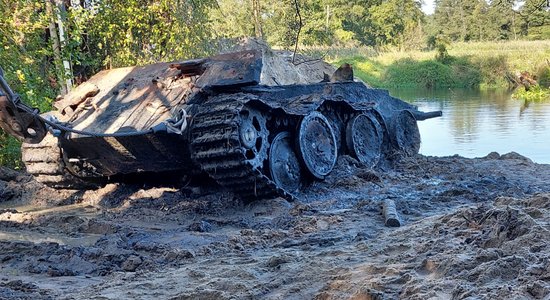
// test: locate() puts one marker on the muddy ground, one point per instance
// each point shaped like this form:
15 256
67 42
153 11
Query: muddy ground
473 229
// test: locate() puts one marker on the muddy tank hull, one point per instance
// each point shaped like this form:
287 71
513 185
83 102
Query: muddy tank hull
215 140
112 156
226 117
308 125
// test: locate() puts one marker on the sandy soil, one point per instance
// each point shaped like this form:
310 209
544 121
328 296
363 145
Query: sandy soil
473 229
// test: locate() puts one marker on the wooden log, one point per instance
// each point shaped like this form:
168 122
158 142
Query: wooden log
524 79
391 216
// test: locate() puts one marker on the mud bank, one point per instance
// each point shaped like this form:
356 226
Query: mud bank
473 228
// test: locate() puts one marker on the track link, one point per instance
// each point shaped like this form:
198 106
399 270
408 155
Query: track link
217 149
44 161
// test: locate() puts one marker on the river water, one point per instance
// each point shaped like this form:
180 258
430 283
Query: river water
475 123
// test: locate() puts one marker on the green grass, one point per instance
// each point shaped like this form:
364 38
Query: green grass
367 69
479 64
411 73
520 55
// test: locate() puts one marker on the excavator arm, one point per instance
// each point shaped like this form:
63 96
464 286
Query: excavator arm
17 118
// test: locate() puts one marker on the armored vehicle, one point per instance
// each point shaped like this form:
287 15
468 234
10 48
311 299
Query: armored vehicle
227 116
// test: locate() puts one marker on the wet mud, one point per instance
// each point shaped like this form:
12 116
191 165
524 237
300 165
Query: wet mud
473 228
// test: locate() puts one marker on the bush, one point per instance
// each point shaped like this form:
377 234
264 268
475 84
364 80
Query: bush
442 54
493 69
534 94
543 75
10 151
410 73
539 33
430 42
465 74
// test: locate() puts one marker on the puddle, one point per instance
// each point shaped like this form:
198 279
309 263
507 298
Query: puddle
41 237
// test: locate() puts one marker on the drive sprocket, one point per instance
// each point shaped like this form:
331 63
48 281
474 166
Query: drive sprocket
229 142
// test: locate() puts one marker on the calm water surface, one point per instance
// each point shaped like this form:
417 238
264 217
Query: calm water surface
475 123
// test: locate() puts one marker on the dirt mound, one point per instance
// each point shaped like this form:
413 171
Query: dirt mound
490 251
15 185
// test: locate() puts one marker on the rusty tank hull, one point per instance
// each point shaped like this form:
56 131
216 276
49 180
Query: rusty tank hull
219 116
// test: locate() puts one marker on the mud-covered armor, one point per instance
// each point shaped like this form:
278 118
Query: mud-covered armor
215 116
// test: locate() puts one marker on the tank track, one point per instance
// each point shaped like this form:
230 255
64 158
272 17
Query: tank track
218 150
44 161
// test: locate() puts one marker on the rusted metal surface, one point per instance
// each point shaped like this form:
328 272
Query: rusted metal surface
230 124
134 98
80 94
102 157
232 70
137 98
15 116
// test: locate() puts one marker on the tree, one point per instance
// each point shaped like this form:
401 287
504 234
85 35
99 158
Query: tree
501 18
122 33
535 19
25 51
26 57
456 18
231 19
465 20
392 20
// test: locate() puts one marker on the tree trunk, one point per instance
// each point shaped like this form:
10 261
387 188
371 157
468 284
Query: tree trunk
63 67
66 63
327 19
56 47
257 18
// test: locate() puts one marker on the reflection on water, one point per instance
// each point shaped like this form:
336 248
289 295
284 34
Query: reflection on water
475 123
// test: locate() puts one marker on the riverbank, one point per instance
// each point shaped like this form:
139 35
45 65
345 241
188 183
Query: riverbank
467 65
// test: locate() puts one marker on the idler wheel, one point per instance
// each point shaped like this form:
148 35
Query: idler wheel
253 136
364 139
317 144
283 163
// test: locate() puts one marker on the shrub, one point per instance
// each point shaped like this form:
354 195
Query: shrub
534 94
465 74
442 54
493 69
10 153
410 73
543 75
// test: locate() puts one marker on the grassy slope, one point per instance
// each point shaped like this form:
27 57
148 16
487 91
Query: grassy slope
487 61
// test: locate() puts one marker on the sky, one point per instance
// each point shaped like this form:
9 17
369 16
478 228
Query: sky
428 7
